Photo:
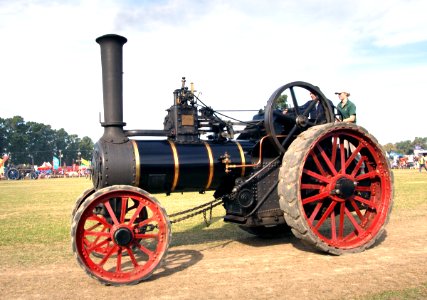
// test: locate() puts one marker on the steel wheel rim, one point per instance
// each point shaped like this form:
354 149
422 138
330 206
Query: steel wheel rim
345 207
99 241
13 174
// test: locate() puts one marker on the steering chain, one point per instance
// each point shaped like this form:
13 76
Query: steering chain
201 209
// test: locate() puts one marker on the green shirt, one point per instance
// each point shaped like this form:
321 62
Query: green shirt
348 109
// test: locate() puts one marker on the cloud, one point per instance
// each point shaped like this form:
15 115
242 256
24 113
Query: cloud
236 52
396 23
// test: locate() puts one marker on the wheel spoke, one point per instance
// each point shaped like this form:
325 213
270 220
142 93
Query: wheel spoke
326 159
123 209
147 236
371 174
341 221
318 164
96 233
371 203
357 167
353 156
326 214
354 222
119 260
96 225
111 212
314 198
132 257
357 210
315 212
342 156
136 213
334 150
145 222
317 176
289 136
361 188
97 246
349 236
294 100
333 227
99 237
100 220
134 205
308 109
145 250
307 186
108 255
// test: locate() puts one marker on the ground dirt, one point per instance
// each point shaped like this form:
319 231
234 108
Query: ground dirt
248 268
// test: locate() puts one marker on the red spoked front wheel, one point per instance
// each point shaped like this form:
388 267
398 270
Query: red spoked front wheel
336 188
120 235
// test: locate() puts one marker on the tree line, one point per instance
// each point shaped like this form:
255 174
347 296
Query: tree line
34 143
407 147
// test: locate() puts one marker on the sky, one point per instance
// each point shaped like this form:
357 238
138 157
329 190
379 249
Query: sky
237 53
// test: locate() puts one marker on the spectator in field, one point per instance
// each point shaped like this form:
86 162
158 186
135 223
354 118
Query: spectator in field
346 108
422 162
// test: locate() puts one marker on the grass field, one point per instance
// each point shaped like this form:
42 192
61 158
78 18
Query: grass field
35 218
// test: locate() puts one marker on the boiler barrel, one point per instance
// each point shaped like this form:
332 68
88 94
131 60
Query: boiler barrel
166 166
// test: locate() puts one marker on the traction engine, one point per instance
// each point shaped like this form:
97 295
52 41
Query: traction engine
328 182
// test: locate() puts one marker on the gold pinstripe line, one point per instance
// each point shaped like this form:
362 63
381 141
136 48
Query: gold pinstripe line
137 162
211 166
176 165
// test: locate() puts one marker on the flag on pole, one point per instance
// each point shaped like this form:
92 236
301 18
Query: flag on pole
55 163
85 162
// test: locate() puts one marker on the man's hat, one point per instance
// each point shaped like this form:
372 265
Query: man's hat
342 91
337 93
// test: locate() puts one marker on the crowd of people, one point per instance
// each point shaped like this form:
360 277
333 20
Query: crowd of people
412 161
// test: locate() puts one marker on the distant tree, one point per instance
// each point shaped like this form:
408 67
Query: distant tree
73 149
86 147
420 142
282 102
32 142
404 147
389 147
64 144
17 140
3 136
39 142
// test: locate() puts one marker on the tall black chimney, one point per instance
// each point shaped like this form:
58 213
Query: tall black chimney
112 82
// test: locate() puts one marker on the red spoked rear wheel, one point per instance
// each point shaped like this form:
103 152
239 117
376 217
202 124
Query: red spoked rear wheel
336 188
120 235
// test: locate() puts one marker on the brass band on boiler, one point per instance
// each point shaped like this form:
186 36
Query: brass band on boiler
137 163
176 165
211 166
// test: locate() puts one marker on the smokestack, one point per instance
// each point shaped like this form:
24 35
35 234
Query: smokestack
112 83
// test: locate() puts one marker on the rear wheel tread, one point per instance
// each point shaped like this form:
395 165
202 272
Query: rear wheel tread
289 174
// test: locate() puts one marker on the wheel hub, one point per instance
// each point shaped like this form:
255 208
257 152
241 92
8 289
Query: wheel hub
302 121
246 198
345 187
123 236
